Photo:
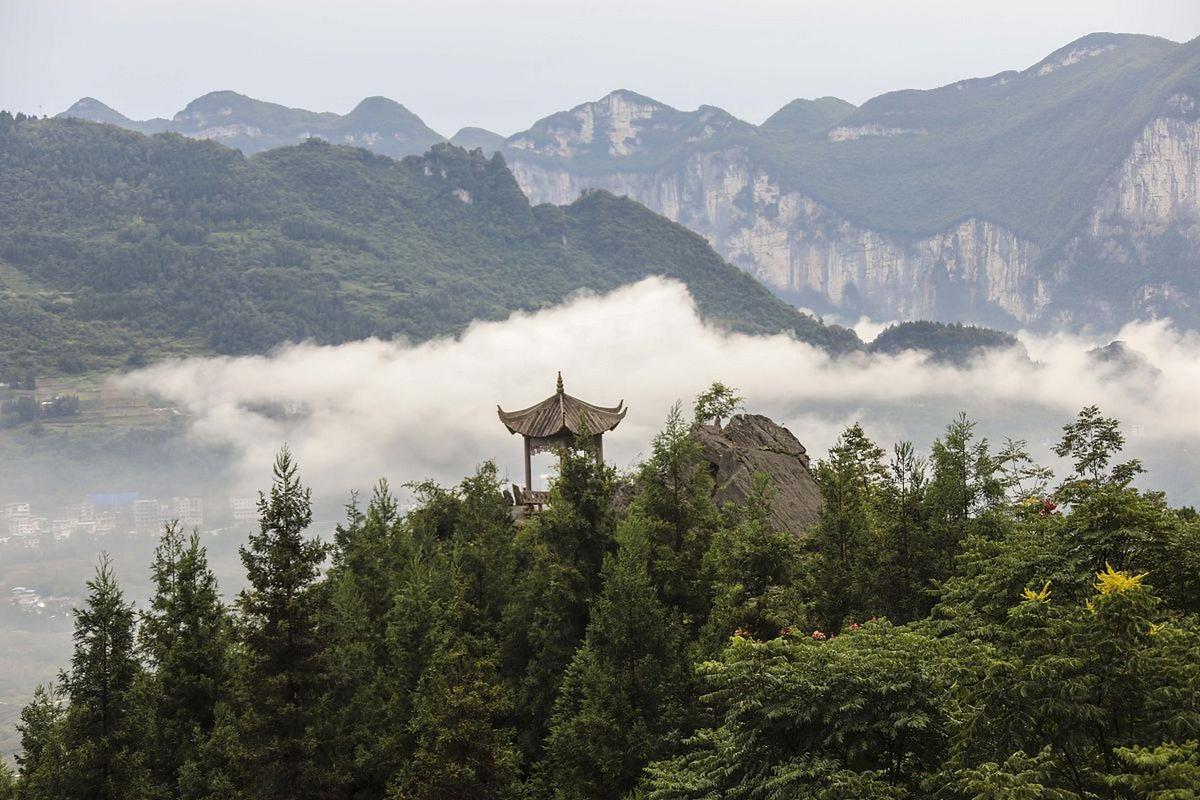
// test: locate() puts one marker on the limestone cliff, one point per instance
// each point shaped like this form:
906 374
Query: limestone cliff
809 252
1146 216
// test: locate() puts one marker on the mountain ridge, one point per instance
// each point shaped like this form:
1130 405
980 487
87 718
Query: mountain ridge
986 200
118 247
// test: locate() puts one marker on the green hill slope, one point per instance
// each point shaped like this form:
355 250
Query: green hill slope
117 247
1028 150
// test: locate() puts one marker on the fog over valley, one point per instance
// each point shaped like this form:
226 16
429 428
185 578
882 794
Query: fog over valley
365 410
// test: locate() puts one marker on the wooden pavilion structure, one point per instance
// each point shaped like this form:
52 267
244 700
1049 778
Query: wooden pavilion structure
557 422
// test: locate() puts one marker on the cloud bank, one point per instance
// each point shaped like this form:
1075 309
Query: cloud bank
360 411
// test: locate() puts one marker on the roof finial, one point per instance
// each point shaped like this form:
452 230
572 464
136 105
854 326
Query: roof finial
559 387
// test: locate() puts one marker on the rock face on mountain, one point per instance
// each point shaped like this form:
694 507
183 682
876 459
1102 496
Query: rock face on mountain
749 444
978 201
1065 194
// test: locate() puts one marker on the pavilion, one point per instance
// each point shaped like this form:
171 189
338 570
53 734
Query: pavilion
558 422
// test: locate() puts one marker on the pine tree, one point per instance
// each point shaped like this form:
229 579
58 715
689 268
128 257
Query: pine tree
105 725
463 751
966 492
751 569
557 557
907 561
183 636
281 674
8 783
43 756
362 701
625 698
844 538
674 498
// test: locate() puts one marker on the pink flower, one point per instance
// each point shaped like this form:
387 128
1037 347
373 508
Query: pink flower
820 637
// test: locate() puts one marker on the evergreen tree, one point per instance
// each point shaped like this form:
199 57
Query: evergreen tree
674 498
751 570
624 699
966 492
183 636
43 749
281 672
463 751
359 702
903 580
105 724
844 539
8 783
558 557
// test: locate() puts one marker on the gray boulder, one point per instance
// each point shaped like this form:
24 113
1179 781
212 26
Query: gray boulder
749 444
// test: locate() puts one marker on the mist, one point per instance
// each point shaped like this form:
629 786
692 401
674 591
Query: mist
358 412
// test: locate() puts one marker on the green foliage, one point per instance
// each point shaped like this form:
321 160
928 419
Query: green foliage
851 478
184 637
281 669
1091 442
558 560
43 755
674 501
1167 772
1076 682
462 749
633 641
625 698
952 343
117 248
856 716
104 728
716 403
752 571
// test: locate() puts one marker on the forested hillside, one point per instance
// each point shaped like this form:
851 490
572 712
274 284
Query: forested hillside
962 626
117 248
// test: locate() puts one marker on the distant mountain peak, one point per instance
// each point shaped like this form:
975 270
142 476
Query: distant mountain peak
1091 46
377 103
809 116
630 96
91 109
481 138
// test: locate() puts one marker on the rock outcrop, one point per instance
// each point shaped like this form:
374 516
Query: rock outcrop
808 252
749 444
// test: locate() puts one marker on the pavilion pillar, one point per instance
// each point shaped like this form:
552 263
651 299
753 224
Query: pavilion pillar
599 448
528 466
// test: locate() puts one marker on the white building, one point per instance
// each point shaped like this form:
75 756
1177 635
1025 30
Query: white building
25 527
17 510
82 512
189 511
147 513
245 509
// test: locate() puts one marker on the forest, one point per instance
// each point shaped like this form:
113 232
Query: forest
119 249
960 623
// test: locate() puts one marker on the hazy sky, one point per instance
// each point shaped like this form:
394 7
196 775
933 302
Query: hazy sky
502 65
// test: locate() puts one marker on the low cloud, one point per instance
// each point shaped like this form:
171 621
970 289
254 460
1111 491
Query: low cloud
360 411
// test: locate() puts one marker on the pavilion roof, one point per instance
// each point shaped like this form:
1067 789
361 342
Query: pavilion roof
561 413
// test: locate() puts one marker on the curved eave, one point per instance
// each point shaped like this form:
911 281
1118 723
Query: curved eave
561 414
